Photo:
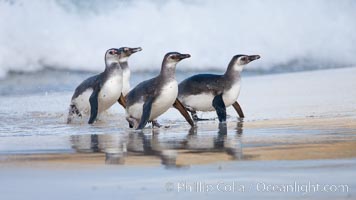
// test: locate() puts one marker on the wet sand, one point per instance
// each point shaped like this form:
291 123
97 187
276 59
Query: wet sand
292 139
298 127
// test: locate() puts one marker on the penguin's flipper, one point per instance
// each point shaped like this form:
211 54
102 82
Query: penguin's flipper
238 109
146 112
219 105
122 101
180 107
94 105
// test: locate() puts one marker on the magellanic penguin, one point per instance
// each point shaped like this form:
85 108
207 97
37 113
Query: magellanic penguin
125 53
209 92
153 97
98 93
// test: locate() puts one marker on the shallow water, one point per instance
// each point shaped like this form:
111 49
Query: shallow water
38 133
306 136
174 146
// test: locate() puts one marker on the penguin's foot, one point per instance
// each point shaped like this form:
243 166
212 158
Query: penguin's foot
73 111
200 119
196 118
156 124
133 123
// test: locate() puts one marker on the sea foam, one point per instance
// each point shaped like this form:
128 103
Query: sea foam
74 35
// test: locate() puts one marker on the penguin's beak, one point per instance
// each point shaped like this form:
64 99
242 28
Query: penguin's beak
253 57
183 56
134 50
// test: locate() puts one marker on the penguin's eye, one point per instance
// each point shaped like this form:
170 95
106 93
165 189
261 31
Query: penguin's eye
126 49
243 59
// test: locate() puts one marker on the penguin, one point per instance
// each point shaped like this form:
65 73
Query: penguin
151 98
98 93
209 92
125 53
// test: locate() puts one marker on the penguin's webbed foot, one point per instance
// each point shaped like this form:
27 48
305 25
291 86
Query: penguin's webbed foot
73 110
196 118
156 124
200 119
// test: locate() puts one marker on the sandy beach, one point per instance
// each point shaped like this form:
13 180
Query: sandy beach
299 127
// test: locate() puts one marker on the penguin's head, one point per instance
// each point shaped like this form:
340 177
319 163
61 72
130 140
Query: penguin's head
126 52
239 61
112 55
172 58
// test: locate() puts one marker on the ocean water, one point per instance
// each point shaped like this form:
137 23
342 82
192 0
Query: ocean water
47 47
74 34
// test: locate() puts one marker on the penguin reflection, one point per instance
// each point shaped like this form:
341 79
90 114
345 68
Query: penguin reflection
113 145
219 143
117 147
165 150
168 150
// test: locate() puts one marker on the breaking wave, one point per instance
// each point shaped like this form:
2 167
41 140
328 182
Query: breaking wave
69 34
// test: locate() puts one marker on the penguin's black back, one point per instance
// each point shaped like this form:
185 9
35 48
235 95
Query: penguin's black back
90 82
202 83
143 90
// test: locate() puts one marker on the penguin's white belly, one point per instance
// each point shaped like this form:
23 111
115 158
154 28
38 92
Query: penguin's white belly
82 102
126 82
162 103
109 93
165 100
230 96
204 101
199 102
